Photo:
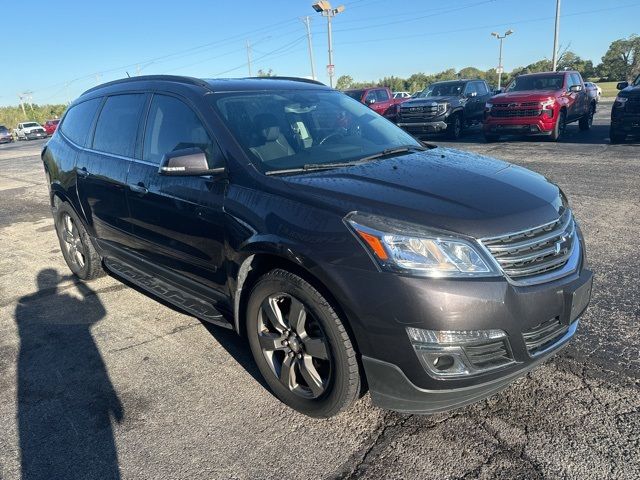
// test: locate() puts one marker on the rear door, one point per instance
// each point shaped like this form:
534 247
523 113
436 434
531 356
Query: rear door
574 109
102 168
384 101
471 105
178 221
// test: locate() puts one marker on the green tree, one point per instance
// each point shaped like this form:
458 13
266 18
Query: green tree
344 82
471 73
266 73
622 60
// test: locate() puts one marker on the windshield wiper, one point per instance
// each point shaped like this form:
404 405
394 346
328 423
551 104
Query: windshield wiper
391 151
328 166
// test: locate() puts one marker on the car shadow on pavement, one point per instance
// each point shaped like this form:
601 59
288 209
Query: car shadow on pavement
65 399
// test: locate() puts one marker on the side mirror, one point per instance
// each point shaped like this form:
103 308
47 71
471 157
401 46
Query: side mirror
498 91
472 94
186 162
622 85
575 88
370 101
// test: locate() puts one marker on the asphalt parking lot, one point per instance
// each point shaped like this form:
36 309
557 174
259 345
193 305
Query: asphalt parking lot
99 380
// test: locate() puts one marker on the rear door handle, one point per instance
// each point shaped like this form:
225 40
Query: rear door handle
140 189
82 172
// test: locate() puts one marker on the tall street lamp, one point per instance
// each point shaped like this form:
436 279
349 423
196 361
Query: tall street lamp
324 7
500 67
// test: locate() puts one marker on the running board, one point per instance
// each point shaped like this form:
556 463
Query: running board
186 301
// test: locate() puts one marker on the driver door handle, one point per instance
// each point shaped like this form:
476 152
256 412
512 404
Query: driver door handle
139 188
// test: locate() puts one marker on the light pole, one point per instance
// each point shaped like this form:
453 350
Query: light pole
556 32
324 7
500 67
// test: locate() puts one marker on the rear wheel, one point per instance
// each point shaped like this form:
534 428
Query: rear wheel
454 128
77 249
301 346
559 127
586 121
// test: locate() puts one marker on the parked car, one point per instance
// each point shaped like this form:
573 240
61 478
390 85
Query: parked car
625 113
29 131
350 255
5 135
540 104
401 95
445 107
50 126
379 99
596 90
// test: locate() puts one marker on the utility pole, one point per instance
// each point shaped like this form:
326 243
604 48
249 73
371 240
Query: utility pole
500 68
324 7
249 57
307 22
555 37
24 112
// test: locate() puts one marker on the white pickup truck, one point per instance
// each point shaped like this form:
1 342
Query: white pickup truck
29 131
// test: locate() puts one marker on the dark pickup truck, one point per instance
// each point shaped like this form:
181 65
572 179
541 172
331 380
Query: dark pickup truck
625 113
445 106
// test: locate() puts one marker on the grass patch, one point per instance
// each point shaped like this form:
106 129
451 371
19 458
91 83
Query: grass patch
608 89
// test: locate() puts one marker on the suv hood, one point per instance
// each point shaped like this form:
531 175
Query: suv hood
439 188
419 102
525 96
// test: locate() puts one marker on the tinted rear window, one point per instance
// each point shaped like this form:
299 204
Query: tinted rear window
78 120
355 94
118 124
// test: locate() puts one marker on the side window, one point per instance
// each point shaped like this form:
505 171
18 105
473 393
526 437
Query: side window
78 120
470 88
371 95
382 95
172 125
118 124
576 79
481 88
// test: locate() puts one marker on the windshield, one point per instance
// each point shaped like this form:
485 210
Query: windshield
290 129
447 89
29 125
3 129
536 82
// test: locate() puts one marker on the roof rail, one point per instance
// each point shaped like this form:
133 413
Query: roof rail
293 79
142 78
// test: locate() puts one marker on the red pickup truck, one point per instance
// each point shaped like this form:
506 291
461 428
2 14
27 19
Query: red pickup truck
540 104
378 99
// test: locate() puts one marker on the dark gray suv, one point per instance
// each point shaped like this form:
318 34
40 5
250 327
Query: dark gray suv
350 255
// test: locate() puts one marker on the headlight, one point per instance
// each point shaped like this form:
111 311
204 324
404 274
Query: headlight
442 107
620 101
488 106
406 248
548 104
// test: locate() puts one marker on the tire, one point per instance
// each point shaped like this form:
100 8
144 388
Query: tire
559 127
616 137
586 121
491 138
454 128
77 249
316 370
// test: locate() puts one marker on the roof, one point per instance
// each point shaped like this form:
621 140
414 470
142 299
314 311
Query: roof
222 84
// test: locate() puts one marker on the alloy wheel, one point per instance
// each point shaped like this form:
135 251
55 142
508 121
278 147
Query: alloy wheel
76 251
294 345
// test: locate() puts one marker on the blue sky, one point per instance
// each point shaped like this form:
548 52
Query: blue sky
63 47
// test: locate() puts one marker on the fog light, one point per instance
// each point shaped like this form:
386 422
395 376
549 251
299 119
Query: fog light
460 353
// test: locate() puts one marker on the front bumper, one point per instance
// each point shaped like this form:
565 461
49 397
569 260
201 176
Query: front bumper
7 139
626 123
381 306
538 125
425 127
35 136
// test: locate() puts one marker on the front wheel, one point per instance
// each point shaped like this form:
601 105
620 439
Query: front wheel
454 128
301 346
559 127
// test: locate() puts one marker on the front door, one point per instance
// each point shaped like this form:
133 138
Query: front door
178 221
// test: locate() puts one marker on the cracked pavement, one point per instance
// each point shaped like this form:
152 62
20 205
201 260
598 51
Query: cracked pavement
99 380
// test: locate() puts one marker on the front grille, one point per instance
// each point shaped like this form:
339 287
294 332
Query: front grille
544 335
488 355
511 113
419 112
535 251
512 105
